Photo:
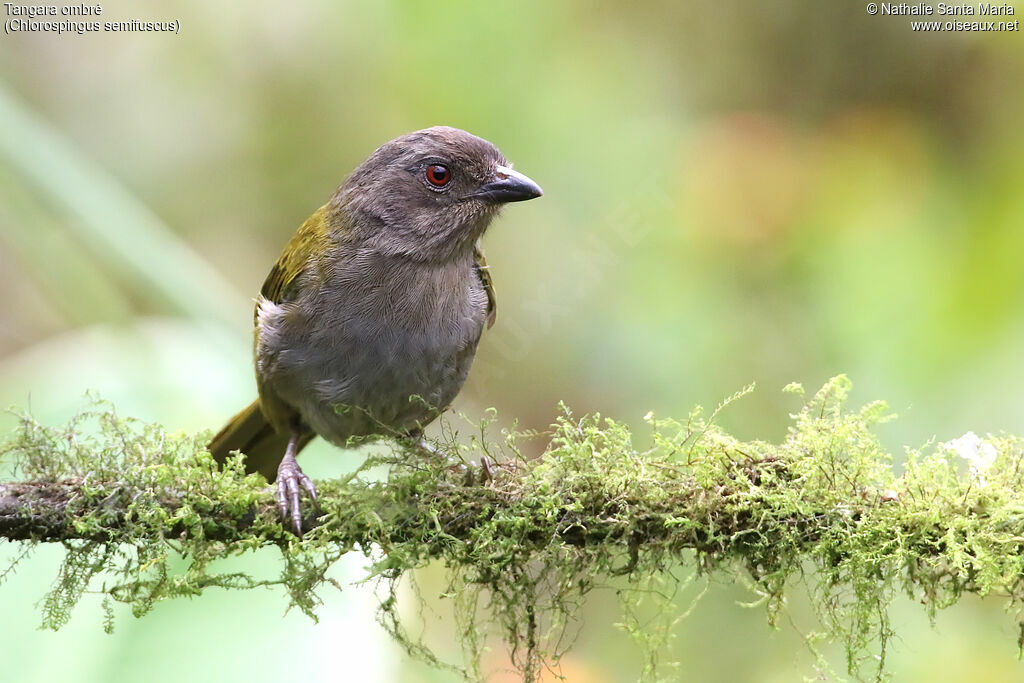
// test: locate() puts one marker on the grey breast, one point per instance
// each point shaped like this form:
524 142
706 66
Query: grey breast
392 351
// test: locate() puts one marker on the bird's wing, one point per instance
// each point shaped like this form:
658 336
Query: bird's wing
302 256
310 242
485 279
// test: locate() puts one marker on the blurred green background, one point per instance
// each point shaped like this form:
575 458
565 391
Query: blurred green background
735 192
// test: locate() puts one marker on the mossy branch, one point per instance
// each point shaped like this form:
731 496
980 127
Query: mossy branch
535 535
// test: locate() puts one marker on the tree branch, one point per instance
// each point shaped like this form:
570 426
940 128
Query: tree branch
38 511
538 534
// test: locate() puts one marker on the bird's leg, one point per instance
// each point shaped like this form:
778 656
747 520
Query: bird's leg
289 478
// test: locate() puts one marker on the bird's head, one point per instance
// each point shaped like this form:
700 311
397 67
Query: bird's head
430 194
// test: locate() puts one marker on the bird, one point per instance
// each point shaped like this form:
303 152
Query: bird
367 325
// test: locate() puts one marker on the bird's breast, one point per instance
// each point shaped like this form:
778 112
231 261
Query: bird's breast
380 344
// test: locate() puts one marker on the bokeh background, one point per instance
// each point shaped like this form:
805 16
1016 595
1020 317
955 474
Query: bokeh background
736 192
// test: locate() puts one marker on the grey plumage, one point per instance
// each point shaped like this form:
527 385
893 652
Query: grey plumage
401 329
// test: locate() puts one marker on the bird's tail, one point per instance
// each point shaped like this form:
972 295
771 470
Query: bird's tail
251 433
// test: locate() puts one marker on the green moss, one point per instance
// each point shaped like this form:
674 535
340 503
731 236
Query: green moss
524 546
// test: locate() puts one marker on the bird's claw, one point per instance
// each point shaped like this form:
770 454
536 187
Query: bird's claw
485 469
478 475
472 476
290 479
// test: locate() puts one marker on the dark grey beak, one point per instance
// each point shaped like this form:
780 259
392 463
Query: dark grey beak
508 186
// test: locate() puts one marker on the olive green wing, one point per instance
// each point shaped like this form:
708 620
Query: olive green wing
485 279
302 256
304 251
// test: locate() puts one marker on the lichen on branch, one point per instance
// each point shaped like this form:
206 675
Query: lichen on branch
525 541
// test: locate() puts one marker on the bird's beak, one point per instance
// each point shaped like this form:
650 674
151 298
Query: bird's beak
507 185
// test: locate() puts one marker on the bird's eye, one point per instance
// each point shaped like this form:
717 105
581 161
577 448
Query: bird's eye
438 175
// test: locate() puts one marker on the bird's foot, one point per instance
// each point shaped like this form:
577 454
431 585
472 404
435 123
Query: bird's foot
473 474
478 475
290 479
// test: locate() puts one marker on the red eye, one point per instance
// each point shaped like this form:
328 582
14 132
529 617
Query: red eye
438 175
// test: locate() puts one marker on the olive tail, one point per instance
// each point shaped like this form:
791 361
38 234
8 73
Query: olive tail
251 433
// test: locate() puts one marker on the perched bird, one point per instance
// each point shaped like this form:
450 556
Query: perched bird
368 323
